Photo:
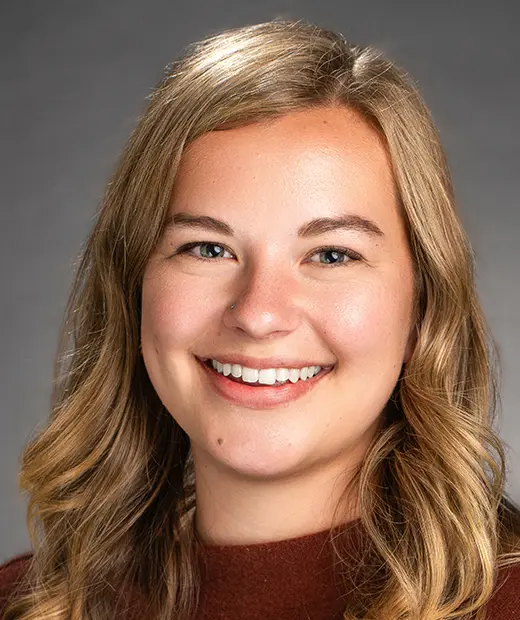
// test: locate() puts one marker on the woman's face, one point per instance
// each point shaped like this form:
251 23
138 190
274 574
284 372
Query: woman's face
305 294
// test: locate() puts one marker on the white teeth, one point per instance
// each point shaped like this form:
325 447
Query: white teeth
282 374
294 375
249 375
266 376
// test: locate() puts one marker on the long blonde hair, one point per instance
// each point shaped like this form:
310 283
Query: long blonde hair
110 477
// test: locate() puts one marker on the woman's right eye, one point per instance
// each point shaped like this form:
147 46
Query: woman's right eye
215 250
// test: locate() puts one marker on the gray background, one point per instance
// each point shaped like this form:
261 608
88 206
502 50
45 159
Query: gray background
74 78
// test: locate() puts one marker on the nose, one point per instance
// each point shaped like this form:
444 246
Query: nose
267 304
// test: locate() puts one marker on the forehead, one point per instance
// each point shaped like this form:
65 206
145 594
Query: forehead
334 131
322 161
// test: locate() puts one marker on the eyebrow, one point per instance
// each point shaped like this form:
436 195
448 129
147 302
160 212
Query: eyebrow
318 226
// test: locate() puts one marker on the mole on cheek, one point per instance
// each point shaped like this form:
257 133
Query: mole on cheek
220 441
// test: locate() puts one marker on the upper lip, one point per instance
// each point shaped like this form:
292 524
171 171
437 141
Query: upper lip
264 362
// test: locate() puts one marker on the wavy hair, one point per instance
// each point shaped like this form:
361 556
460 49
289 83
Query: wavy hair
110 476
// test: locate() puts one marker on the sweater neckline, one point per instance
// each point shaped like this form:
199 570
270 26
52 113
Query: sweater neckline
280 576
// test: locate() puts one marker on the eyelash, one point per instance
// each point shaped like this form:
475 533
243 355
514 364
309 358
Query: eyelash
353 256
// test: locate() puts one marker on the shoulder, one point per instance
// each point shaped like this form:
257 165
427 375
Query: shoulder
505 602
11 574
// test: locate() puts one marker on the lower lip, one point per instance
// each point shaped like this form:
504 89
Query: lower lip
255 397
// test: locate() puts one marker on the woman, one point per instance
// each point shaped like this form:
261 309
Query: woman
278 394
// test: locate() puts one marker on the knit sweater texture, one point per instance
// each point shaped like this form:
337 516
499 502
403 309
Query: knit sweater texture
294 579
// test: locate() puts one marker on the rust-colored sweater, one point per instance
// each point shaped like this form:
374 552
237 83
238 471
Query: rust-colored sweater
292 579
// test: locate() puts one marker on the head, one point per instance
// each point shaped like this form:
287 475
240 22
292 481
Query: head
267 128
265 140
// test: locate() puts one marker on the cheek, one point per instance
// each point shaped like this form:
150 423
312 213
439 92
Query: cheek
364 318
172 315
360 317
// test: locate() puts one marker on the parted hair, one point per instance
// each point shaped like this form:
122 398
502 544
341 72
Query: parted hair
110 476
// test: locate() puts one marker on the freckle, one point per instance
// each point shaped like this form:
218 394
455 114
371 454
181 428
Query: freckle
220 441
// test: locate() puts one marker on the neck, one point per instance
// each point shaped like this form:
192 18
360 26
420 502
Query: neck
234 510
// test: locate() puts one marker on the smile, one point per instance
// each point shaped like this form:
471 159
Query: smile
255 394
264 376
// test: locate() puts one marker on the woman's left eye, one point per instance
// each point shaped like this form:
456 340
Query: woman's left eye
336 256
334 253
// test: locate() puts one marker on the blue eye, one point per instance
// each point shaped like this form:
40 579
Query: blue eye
185 249
335 253
337 256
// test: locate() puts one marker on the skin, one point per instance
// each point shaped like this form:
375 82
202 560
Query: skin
277 474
